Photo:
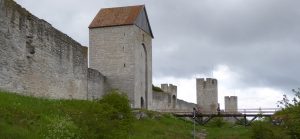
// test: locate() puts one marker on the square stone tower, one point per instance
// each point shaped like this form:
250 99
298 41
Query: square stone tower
207 95
121 49
231 104
172 94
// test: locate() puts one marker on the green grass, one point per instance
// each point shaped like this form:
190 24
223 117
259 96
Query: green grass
23 117
228 132
165 127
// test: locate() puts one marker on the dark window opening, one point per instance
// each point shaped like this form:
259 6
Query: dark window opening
174 101
143 37
142 102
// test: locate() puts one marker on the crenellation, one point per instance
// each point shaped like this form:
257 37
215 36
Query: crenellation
231 104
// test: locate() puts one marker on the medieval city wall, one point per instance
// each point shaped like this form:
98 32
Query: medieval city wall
207 95
231 104
167 100
162 101
182 105
123 61
96 84
37 59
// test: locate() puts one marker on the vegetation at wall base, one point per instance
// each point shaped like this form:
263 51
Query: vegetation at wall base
28 117
111 117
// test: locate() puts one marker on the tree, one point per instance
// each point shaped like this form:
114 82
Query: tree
290 114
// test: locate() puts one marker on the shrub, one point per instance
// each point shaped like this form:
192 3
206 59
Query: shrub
60 127
217 122
115 119
265 130
290 114
157 89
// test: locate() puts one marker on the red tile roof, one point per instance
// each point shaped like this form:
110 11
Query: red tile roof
116 16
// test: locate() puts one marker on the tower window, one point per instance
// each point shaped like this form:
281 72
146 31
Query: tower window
124 65
143 37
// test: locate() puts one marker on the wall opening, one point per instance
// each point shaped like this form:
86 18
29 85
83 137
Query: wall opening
173 101
146 74
169 100
142 103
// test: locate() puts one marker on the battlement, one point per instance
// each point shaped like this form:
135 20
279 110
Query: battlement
207 82
231 104
230 98
169 88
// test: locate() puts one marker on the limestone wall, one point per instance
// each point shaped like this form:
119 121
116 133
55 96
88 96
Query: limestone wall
164 101
207 95
124 56
37 59
96 84
182 105
161 101
231 104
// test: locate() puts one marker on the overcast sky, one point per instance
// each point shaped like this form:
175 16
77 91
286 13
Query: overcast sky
250 46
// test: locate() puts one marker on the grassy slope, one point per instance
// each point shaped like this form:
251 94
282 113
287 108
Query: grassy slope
27 117
166 127
228 132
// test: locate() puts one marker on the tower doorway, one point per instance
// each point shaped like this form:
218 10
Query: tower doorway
146 74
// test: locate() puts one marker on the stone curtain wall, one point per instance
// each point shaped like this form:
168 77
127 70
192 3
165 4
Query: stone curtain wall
96 84
37 59
182 105
162 101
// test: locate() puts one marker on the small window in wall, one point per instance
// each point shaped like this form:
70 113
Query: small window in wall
124 65
123 48
143 37
173 101
213 81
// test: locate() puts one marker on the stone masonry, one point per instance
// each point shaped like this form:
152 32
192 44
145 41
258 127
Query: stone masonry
172 90
168 101
37 59
231 104
207 95
123 54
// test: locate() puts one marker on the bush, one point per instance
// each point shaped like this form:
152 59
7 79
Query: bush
60 127
115 119
217 122
157 89
265 130
290 114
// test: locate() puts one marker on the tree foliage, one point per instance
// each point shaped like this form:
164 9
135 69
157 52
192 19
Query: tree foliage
290 114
